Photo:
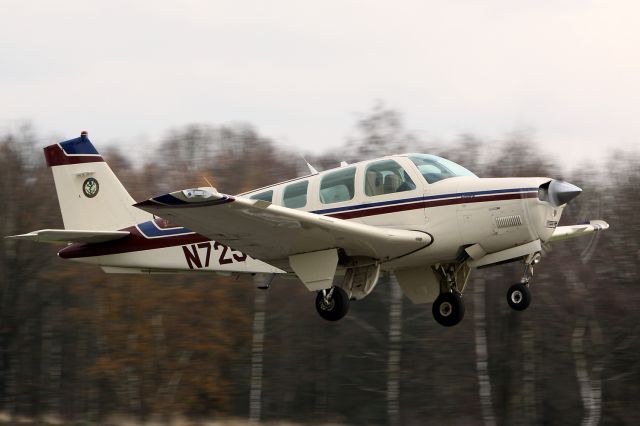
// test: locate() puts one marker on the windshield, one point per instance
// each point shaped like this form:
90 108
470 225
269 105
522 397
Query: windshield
435 168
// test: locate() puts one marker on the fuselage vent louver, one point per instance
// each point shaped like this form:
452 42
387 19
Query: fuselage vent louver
509 221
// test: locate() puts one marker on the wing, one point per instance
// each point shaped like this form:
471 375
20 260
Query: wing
269 232
574 231
70 236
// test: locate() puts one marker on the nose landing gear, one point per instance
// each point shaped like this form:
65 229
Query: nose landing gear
518 295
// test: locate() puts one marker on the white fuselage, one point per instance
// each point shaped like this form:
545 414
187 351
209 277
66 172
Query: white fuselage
496 213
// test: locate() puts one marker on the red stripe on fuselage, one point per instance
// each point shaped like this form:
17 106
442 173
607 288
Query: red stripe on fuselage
135 241
434 203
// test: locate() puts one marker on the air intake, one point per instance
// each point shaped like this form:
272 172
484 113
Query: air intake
509 221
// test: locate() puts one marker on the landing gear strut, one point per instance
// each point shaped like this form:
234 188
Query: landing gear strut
448 308
519 296
332 304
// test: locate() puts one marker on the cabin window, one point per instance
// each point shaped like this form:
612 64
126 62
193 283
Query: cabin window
386 177
338 186
265 196
295 195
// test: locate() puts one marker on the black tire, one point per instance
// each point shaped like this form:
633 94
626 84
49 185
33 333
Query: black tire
337 308
448 309
519 297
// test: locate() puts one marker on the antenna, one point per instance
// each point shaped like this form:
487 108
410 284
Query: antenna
312 169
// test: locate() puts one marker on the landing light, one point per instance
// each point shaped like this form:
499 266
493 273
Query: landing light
196 193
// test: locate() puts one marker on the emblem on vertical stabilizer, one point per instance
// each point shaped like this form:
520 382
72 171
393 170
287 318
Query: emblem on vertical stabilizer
90 187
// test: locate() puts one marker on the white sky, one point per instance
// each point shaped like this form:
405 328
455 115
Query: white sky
300 70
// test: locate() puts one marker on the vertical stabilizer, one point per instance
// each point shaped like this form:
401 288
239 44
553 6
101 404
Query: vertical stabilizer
90 195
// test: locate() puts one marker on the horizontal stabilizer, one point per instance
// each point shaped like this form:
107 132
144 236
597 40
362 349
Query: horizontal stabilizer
575 231
70 236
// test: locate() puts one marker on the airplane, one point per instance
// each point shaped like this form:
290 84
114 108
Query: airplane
424 218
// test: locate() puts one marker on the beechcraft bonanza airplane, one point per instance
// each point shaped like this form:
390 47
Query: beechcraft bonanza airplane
427 219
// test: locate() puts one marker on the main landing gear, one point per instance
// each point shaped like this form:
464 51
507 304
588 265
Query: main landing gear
360 279
518 295
332 304
448 308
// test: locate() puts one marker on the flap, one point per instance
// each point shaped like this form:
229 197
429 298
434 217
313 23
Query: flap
575 231
70 236
316 269
269 232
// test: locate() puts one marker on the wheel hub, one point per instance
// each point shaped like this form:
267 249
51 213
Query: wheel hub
446 309
516 296
327 304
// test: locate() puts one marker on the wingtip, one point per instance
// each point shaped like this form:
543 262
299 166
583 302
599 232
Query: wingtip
600 225
27 236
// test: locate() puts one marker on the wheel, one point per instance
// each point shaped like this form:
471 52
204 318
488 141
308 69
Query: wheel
334 308
519 297
448 309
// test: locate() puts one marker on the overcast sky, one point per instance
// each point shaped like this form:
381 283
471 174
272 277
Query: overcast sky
300 71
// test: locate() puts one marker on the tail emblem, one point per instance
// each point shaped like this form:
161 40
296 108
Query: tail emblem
90 187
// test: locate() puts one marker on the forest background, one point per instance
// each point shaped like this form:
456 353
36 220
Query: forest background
80 346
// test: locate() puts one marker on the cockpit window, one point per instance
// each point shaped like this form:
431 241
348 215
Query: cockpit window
435 168
386 177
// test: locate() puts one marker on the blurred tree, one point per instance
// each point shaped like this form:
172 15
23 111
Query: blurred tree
30 299
520 155
233 158
86 346
379 132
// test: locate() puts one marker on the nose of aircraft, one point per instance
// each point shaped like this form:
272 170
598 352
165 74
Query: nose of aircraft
561 192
